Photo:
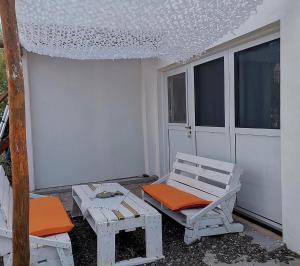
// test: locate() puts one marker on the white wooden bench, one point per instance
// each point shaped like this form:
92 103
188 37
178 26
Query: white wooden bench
213 180
53 250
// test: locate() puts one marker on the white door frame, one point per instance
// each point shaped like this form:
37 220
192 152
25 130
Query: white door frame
226 128
165 112
248 131
229 93
251 131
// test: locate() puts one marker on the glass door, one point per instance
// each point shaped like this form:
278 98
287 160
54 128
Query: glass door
211 95
255 87
181 137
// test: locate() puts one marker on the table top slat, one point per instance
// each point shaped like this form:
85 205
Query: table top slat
112 208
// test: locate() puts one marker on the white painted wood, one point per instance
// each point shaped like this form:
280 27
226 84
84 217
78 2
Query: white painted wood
194 191
214 219
258 150
179 141
105 244
262 166
52 250
153 235
180 137
213 144
178 216
108 216
199 171
200 185
220 165
97 215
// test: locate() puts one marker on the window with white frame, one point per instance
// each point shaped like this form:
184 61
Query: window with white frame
209 93
177 98
257 86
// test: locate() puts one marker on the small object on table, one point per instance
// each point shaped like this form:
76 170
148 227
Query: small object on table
107 194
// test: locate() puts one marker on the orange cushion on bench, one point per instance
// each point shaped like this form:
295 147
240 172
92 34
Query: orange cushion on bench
173 198
47 216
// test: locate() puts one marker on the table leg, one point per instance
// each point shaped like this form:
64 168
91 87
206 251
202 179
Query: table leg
75 210
106 244
153 236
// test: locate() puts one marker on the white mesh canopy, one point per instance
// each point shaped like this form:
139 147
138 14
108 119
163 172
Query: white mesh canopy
113 29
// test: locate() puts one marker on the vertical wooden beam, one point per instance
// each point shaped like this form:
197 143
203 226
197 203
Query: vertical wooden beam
17 133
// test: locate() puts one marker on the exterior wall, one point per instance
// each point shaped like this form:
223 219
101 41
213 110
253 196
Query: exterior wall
55 80
290 132
86 120
287 12
150 112
269 12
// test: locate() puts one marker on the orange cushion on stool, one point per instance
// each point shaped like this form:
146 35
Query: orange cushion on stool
173 198
47 216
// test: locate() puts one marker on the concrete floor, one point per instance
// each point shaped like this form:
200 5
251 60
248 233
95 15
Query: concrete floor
262 236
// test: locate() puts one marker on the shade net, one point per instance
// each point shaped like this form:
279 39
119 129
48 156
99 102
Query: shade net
115 29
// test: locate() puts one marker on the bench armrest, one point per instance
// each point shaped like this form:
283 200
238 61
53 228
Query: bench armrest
214 204
35 240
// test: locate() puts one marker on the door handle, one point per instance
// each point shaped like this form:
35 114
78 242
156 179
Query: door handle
189 128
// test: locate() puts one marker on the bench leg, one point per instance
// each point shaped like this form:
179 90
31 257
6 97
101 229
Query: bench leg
65 256
193 234
153 233
106 242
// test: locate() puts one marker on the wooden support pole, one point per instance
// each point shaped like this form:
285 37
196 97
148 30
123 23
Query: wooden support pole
17 133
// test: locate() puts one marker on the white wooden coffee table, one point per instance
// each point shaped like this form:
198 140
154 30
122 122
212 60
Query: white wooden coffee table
108 216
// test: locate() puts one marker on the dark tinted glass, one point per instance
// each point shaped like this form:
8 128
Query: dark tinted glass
177 98
257 86
209 93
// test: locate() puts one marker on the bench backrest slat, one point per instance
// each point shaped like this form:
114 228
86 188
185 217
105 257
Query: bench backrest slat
191 190
205 187
220 165
211 178
222 178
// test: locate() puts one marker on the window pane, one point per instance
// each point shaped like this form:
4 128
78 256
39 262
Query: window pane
257 86
177 98
209 93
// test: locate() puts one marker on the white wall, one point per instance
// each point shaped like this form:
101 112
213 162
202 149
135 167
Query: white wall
86 120
150 112
290 125
270 11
